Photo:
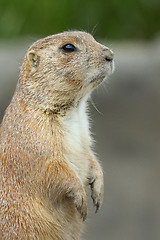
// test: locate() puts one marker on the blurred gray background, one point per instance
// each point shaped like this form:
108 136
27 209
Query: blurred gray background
124 110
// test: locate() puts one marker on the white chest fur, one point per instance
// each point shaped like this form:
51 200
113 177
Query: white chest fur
77 140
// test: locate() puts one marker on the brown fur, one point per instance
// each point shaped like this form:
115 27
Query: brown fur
43 177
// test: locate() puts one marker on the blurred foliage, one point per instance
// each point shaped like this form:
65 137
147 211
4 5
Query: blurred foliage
113 19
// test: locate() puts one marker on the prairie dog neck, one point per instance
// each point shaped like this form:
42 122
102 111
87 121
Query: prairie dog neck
76 122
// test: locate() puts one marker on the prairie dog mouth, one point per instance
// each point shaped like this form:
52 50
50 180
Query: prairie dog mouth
100 75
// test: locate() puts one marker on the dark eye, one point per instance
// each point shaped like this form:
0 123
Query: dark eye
68 48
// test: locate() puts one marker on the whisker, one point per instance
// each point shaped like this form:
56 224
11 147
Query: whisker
94 29
95 107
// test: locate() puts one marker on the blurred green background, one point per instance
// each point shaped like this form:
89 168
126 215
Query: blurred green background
124 109
113 19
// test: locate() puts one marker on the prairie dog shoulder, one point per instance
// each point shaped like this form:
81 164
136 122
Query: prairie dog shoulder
45 144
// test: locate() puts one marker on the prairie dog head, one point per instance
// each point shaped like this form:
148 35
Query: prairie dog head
61 69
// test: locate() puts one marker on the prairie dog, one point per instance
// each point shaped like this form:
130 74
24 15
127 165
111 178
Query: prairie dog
46 157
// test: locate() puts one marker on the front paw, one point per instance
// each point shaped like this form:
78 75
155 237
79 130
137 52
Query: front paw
80 201
97 190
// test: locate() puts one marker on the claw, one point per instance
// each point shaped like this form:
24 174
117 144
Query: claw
97 207
84 216
97 196
96 203
81 204
83 212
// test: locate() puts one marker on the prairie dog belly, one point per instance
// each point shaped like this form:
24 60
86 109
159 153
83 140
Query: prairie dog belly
77 141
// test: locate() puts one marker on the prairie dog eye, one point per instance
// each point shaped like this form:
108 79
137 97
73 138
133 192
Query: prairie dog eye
68 48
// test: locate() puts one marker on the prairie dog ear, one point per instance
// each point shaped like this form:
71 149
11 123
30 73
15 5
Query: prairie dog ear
33 59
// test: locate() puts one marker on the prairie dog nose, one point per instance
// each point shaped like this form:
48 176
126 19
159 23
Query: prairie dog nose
108 54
